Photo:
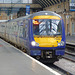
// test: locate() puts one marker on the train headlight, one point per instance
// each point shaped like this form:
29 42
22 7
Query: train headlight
61 43
33 43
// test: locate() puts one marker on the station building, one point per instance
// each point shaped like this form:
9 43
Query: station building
11 9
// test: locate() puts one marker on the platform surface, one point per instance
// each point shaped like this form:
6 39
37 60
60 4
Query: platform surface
15 62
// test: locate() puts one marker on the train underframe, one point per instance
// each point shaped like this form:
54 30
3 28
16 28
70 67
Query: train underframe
47 56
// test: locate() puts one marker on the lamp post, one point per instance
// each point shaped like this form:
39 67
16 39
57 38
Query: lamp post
11 9
64 13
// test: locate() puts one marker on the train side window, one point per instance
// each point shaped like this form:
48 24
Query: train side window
21 31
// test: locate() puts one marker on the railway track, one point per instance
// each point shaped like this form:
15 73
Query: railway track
70 46
69 56
70 52
58 69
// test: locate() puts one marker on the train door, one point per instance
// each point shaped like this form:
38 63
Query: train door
25 32
26 29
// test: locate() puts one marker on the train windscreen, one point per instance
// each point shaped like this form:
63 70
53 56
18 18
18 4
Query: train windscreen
47 27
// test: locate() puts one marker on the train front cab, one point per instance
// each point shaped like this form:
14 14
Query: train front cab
47 37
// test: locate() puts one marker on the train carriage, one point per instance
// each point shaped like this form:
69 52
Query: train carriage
42 34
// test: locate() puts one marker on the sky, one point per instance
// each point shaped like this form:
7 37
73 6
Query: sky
15 1
8 1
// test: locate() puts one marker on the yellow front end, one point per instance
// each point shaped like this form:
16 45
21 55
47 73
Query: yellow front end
47 41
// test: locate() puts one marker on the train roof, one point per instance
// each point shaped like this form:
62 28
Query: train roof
17 19
45 13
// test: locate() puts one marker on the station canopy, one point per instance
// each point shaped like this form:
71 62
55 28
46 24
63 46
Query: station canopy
46 3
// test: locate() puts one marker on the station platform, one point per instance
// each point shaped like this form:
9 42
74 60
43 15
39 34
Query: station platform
70 40
15 62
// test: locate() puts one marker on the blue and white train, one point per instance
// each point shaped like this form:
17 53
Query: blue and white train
42 34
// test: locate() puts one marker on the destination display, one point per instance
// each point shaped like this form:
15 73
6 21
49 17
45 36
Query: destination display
72 5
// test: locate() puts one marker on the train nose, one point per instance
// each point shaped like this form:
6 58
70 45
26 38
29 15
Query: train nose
47 41
48 44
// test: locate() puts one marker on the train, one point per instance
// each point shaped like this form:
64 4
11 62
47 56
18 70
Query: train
41 34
